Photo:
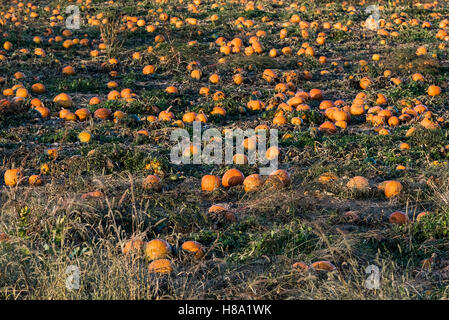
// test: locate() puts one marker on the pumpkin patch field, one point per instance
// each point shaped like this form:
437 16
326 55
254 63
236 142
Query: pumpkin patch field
92 205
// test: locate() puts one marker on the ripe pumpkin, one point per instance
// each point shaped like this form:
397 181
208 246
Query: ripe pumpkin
34 180
102 113
279 120
269 75
133 245
162 266
300 266
327 177
157 249
316 94
68 70
327 127
152 182
84 137
340 115
252 182
281 176
392 188
421 215
398 218
63 100
38 88
240 158
214 78
272 153
232 177
220 210
94 101
365 82
44 112
114 95
323 265
63 113
210 183
195 248
166 115
12 177
433 91
358 183
82 114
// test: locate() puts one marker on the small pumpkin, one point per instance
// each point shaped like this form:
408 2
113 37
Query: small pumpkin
157 249
82 114
163 266
327 177
240 158
358 183
316 94
323 265
392 188
152 182
210 182
433 91
84 137
195 248
35 180
252 182
272 153
327 127
189 117
421 215
102 113
63 100
222 211
12 177
300 266
232 177
279 177
133 245
398 217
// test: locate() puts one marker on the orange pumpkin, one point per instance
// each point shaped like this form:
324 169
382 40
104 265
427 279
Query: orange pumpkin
252 182
327 127
102 113
82 114
34 180
323 265
133 245
398 218
63 100
365 83
421 215
162 266
300 266
157 249
12 177
433 91
316 94
392 188
152 182
232 177
210 183
194 247
358 183
281 176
